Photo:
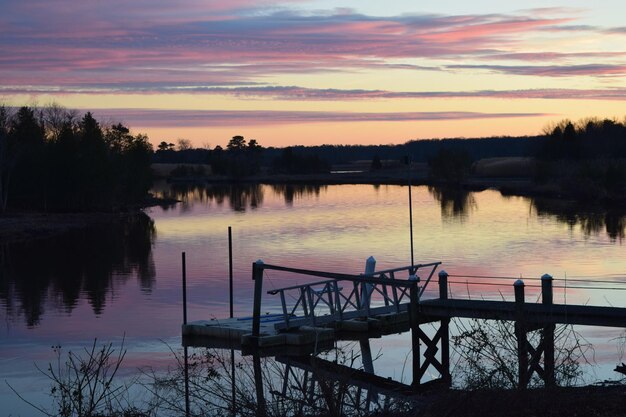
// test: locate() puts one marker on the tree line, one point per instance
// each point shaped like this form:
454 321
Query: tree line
51 158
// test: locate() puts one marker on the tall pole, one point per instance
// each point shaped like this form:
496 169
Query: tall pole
408 162
230 269
184 289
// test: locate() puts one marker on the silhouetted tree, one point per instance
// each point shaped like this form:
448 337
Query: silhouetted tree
164 146
57 162
184 145
450 165
290 162
237 143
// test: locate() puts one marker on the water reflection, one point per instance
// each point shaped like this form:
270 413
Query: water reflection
328 383
456 203
592 221
240 197
80 263
292 191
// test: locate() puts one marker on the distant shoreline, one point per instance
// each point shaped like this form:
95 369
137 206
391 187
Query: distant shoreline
24 225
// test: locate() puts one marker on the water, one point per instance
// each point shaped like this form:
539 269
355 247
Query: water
124 281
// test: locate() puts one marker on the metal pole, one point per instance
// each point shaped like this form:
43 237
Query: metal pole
408 161
184 290
230 269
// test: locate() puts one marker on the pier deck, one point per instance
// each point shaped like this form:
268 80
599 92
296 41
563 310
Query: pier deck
369 305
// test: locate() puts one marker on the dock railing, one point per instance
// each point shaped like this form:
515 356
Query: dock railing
341 296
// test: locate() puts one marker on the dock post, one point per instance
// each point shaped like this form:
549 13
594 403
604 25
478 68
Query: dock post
520 334
257 276
445 331
367 289
548 333
443 285
415 329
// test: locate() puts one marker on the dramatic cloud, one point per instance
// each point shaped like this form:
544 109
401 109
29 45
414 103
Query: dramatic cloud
287 51
210 41
175 118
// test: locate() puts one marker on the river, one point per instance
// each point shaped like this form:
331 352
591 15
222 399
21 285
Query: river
123 281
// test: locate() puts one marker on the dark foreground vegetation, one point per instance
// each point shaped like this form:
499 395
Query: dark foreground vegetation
218 382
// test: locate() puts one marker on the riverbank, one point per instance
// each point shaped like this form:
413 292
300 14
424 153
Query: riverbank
27 226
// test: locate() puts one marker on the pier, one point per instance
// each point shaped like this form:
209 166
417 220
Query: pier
336 306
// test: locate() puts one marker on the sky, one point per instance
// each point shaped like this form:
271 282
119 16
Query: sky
304 72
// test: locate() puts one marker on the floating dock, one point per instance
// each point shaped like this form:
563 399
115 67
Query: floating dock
357 307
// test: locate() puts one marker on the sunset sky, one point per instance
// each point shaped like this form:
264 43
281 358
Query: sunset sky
315 72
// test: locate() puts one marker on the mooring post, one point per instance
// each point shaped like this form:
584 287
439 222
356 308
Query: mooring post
367 289
415 327
520 334
445 330
548 333
257 276
443 285
184 289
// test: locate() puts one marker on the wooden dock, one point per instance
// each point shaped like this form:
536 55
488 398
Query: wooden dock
344 306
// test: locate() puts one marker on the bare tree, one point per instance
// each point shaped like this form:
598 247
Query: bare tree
184 144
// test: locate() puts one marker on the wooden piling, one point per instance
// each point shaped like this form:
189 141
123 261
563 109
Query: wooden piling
520 334
415 328
257 276
445 331
443 285
548 333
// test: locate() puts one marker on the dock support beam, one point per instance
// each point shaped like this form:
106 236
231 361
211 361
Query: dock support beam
415 333
445 331
529 356
441 338
257 276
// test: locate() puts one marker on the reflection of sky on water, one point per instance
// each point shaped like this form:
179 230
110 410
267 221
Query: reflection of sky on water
327 228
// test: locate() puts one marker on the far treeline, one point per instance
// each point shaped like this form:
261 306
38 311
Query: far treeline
53 159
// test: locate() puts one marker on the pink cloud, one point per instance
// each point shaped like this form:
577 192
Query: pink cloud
69 44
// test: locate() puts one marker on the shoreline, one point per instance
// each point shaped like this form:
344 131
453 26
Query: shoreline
18 226
26 226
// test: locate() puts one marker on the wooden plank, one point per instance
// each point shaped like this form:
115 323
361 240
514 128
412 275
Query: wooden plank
536 313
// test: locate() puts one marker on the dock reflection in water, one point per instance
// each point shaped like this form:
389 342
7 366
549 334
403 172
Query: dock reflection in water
332 381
